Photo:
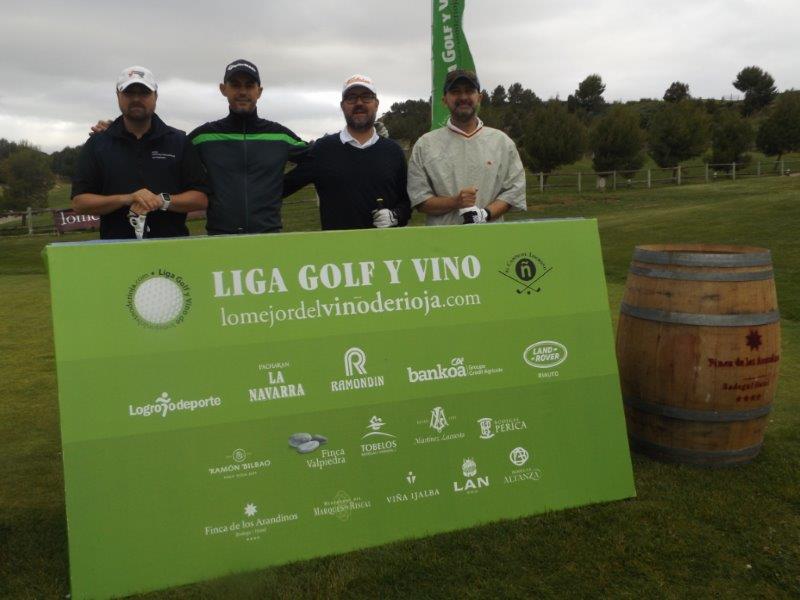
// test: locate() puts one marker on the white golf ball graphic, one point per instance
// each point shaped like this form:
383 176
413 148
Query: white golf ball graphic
158 300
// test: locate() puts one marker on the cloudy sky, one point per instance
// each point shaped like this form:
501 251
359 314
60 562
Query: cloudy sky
59 60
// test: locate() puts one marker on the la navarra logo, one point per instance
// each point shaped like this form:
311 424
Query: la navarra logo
525 271
159 299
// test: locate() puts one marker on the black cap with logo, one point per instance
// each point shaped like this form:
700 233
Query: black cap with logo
242 66
454 77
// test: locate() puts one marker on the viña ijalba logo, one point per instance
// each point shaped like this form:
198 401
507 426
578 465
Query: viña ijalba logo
525 271
159 299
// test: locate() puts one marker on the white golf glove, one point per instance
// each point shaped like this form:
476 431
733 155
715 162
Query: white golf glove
473 214
137 221
383 217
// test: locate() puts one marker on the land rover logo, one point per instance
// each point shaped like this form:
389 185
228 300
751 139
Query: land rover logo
545 354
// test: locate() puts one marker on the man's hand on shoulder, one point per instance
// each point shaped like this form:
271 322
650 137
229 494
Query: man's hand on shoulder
100 127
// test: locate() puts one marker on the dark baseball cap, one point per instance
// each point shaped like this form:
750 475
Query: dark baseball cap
454 77
242 66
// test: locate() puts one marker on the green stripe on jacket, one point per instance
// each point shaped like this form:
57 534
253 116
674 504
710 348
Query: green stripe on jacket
240 137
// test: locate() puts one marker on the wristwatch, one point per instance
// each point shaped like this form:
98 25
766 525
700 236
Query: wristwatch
165 200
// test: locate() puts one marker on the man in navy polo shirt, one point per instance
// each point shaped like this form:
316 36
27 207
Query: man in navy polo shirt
140 175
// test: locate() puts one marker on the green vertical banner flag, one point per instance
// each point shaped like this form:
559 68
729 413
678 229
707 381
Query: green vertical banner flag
229 403
450 52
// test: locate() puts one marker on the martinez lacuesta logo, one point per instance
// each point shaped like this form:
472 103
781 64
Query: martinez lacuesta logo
525 270
159 299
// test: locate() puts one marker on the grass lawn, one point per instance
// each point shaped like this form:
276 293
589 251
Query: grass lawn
690 533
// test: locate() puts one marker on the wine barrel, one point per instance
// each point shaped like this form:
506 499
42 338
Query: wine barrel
698 347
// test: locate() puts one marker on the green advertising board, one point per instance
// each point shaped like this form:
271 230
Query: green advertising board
237 402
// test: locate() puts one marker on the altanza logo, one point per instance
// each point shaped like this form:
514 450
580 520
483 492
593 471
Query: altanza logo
164 405
545 354
455 369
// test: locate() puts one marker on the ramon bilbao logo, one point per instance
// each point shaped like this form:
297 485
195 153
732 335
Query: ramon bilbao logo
159 299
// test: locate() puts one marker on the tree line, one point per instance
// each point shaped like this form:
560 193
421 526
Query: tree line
619 136
27 173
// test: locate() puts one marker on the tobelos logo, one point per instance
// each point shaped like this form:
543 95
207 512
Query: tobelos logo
545 354
526 270
159 299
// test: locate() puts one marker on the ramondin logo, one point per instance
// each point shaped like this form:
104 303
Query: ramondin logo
159 299
355 360
545 354
355 370
525 270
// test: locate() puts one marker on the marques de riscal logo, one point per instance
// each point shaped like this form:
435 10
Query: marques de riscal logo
159 299
545 354
355 370
164 405
526 270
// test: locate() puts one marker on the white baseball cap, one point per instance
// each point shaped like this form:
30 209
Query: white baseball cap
136 74
359 81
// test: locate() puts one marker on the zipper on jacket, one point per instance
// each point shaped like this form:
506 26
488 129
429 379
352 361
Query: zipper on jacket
246 207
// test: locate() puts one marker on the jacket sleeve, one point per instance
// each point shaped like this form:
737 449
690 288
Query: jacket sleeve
302 174
193 173
87 178
298 149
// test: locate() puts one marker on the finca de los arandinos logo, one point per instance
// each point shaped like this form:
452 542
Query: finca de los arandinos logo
159 299
525 271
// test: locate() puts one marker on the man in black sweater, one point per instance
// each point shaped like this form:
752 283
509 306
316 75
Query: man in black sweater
360 177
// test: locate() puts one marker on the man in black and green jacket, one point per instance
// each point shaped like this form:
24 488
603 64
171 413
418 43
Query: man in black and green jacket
245 157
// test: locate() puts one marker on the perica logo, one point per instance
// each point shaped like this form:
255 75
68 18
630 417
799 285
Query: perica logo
159 299
545 354
525 270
